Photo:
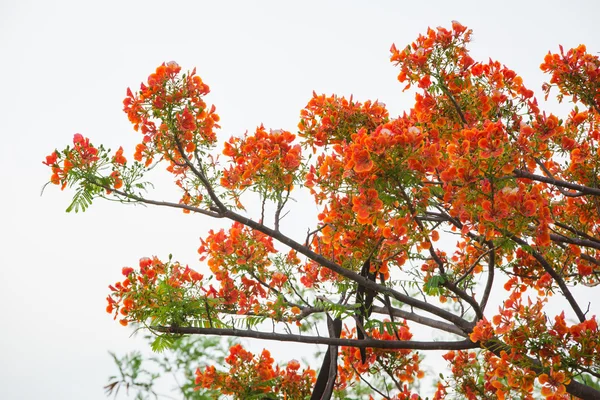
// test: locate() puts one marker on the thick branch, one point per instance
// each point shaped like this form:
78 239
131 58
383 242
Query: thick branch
518 173
410 316
490 280
335 330
285 337
575 231
579 242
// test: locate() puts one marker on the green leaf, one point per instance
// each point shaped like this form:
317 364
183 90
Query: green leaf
81 201
432 287
162 342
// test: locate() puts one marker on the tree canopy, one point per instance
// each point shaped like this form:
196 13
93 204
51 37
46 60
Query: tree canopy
473 194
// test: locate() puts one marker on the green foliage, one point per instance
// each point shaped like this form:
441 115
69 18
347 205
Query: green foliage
81 200
433 285
163 342
145 377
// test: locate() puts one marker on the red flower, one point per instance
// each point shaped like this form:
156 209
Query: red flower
118 158
186 120
51 159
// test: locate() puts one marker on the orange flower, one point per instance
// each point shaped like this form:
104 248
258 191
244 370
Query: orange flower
477 69
482 331
529 208
186 120
196 276
553 384
118 158
117 181
55 179
362 161
293 365
366 205
577 156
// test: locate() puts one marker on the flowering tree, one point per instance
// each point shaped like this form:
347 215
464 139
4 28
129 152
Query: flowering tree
425 219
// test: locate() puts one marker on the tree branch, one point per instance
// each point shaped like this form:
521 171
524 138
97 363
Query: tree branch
575 231
557 278
131 196
447 92
579 242
463 324
211 192
284 337
447 284
419 319
224 212
396 312
518 173
335 330
490 280
373 388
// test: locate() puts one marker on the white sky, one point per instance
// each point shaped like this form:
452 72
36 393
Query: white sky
65 68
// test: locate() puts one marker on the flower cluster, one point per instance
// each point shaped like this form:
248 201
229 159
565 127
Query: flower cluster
166 293
268 161
83 156
331 120
170 112
250 376
404 363
250 282
86 165
576 73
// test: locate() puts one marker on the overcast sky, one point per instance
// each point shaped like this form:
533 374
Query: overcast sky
65 66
